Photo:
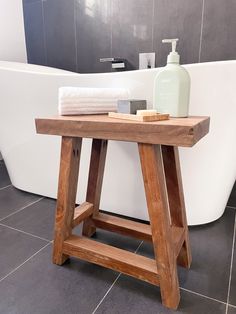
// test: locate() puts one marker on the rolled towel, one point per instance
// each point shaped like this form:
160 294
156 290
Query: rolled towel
82 100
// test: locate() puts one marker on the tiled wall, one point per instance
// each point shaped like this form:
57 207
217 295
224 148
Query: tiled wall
74 34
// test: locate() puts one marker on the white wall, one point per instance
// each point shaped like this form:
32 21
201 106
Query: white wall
12 34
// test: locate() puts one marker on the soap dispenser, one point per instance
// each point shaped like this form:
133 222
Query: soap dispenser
172 86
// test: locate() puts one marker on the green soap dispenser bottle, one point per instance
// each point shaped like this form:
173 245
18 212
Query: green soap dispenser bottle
172 86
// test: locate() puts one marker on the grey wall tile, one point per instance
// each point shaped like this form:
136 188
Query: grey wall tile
33 20
219 24
93 33
177 19
80 32
131 29
60 33
30 1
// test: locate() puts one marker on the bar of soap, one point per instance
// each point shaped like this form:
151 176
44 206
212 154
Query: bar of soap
144 113
131 105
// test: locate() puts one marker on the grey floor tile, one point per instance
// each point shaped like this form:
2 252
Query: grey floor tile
12 199
231 310
211 249
16 247
232 198
117 240
4 177
37 219
41 287
133 296
232 296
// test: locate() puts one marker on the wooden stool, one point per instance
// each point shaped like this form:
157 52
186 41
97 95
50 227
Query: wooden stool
159 158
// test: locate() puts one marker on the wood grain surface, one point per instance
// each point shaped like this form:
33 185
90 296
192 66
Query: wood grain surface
175 131
105 255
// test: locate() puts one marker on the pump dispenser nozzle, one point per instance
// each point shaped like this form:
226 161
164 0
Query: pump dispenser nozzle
173 57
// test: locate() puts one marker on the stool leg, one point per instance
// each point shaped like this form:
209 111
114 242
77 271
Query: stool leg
67 188
176 199
96 172
157 202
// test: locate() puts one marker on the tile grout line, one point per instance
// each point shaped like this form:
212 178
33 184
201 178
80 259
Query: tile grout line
15 269
27 233
140 244
20 209
112 285
153 16
199 294
44 34
76 42
231 265
231 305
201 32
203 295
5 187
95 310
231 207
111 29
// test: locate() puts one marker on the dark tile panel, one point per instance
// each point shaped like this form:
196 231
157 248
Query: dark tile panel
131 29
93 33
232 198
219 24
133 296
34 32
37 219
12 199
42 287
16 247
177 19
211 249
4 177
60 33
31 1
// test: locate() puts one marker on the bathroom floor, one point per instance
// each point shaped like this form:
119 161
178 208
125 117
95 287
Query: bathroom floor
30 283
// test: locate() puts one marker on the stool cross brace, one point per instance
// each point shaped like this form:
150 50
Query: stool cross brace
167 231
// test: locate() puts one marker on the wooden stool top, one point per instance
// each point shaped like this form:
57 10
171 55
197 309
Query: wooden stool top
174 132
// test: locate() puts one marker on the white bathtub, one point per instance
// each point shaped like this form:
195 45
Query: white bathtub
208 169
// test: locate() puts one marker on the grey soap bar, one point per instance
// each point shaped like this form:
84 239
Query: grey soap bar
131 105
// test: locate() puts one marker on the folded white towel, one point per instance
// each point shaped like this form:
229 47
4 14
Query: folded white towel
82 100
